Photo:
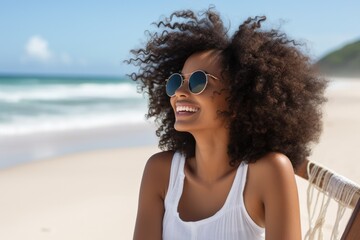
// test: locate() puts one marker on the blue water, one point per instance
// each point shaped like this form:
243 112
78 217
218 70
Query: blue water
51 104
30 104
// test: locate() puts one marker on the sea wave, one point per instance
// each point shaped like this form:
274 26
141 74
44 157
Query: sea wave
58 92
51 123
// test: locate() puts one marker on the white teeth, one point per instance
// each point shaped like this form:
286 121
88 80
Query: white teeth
186 109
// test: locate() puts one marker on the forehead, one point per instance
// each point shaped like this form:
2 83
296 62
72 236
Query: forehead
209 61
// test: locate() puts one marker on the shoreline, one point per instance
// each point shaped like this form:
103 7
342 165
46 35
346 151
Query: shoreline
19 149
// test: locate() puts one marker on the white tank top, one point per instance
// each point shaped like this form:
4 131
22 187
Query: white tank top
231 222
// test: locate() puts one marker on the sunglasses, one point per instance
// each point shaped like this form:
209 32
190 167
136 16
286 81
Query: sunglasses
198 81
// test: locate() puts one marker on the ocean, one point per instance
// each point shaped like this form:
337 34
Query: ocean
42 117
34 104
31 104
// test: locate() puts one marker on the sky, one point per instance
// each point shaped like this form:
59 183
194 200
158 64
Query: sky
94 37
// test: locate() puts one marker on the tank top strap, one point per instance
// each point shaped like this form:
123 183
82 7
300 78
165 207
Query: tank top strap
176 171
237 189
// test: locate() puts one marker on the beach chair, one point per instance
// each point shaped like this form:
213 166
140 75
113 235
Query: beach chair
335 187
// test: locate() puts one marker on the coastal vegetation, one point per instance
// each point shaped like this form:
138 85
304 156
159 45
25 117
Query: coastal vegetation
343 62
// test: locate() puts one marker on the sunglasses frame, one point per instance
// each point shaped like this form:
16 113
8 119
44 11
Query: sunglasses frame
207 75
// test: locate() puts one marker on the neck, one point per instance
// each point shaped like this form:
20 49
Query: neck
211 162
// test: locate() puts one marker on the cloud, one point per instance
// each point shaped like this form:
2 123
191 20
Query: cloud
37 48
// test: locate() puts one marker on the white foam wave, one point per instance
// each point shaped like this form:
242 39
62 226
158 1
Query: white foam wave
60 92
46 123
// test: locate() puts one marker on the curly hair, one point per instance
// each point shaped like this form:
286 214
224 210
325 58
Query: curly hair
275 93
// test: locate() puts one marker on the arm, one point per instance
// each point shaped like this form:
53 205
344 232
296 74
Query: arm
280 198
151 198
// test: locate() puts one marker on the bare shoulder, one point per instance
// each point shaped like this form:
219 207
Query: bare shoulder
274 170
157 171
273 164
160 158
159 162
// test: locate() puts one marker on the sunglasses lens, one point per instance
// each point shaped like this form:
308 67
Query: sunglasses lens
173 84
197 82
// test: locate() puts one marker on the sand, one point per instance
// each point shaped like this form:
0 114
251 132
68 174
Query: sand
93 195
89 195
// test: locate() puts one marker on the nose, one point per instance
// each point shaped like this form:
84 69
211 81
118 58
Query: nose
183 90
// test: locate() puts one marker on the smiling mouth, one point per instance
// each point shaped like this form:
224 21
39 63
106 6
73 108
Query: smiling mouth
186 109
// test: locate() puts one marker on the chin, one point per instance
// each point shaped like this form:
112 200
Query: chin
183 127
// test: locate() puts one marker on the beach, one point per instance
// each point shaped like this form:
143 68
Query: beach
73 192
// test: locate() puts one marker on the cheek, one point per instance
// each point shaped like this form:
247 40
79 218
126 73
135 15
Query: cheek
172 103
220 101
224 105
214 106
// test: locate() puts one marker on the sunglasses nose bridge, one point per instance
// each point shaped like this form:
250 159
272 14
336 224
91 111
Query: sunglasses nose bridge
183 89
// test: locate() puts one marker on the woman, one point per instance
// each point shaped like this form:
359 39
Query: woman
236 115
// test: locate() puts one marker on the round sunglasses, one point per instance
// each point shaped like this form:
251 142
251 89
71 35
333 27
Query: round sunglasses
198 81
